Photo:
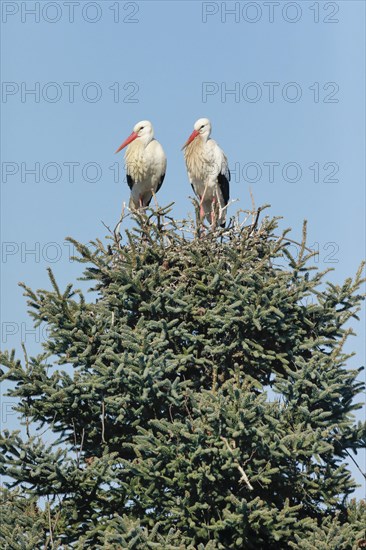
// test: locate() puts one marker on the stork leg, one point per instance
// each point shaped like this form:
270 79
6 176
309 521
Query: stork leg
213 211
202 212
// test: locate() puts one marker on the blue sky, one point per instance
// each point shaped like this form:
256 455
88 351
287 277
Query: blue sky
296 75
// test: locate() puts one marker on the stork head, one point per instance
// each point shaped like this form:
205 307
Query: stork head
142 130
202 127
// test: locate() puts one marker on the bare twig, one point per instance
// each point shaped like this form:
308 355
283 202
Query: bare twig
116 231
214 379
27 426
253 202
158 211
355 463
28 400
250 458
80 449
255 221
187 409
103 422
107 227
81 445
51 425
56 519
75 441
349 454
244 478
50 523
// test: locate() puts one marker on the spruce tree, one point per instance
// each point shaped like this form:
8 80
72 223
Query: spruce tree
201 401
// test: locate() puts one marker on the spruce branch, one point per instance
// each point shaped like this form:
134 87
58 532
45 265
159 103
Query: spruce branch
190 334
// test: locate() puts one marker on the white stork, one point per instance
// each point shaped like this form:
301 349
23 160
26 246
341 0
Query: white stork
145 164
208 172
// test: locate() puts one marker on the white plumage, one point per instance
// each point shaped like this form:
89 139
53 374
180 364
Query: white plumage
208 172
145 162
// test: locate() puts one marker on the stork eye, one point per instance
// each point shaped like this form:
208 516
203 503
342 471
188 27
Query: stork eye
202 126
141 128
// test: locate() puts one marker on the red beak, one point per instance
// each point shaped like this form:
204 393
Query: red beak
127 141
191 138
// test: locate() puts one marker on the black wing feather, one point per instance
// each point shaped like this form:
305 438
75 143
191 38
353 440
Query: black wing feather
223 182
130 181
160 183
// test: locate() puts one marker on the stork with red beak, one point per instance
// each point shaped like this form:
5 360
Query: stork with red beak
145 164
208 172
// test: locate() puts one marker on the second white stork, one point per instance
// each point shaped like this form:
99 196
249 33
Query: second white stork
208 172
145 164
